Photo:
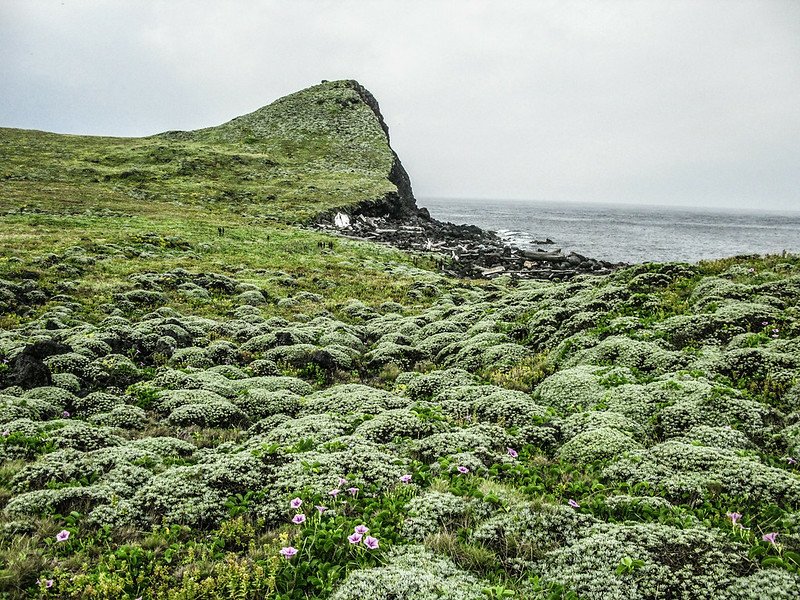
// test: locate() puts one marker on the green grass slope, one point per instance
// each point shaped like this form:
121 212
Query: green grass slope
319 148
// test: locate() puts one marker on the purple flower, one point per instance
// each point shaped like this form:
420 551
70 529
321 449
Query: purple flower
791 461
765 323
770 537
300 518
62 536
354 539
334 493
776 330
342 481
65 414
353 491
296 503
734 517
361 529
6 433
321 508
48 583
512 453
288 552
406 478
371 542
751 270
463 470
573 504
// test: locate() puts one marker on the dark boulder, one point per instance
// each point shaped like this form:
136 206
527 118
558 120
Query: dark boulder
28 369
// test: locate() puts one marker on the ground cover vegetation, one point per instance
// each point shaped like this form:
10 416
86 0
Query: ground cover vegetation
190 415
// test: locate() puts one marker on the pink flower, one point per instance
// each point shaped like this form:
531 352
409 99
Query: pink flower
361 529
463 470
406 478
342 481
371 542
353 491
65 414
300 518
791 461
334 493
62 536
48 583
354 539
734 517
770 537
288 552
296 503
6 433
322 509
512 453
573 504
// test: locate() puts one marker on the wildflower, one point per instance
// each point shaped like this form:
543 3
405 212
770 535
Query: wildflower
65 414
48 583
791 461
776 330
296 503
288 551
354 539
6 433
463 470
573 504
299 518
353 491
321 508
406 478
371 542
342 481
765 323
512 453
361 529
770 537
62 536
734 517
334 493
751 270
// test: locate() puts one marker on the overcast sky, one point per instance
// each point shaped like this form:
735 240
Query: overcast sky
692 103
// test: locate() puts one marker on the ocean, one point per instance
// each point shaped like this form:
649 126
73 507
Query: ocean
628 233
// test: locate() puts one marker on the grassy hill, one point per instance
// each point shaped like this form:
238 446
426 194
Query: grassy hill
189 415
82 213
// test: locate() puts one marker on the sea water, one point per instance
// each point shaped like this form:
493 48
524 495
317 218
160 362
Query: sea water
628 233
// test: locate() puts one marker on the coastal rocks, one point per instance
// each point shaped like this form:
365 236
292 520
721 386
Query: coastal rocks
460 250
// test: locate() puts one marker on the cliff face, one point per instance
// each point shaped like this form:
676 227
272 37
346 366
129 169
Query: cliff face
397 175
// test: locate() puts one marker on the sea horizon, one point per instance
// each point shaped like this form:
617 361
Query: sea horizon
626 232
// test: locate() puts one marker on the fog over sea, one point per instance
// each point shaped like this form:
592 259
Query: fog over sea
626 232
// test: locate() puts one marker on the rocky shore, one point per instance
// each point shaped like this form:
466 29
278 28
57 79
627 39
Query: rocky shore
462 250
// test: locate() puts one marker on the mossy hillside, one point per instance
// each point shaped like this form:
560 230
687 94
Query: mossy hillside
570 446
593 438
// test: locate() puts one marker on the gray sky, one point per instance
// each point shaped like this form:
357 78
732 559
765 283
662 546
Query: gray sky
694 103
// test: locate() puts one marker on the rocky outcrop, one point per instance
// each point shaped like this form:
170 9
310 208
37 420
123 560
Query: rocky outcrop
406 204
461 250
